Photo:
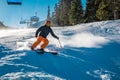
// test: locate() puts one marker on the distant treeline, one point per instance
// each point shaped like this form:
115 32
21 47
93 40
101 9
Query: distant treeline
71 12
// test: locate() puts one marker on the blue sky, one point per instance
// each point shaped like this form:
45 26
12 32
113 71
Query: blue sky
12 14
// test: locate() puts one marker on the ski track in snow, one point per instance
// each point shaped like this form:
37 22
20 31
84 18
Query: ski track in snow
29 76
15 49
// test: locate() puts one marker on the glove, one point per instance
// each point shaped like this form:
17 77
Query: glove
36 36
57 37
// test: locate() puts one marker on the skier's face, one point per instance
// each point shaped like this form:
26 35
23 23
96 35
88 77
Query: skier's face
48 23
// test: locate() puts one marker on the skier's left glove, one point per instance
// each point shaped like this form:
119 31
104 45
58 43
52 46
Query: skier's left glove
57 37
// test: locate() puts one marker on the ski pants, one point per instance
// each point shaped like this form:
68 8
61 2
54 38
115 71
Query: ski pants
39 40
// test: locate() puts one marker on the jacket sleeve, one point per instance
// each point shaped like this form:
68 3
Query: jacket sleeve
37 32
52 33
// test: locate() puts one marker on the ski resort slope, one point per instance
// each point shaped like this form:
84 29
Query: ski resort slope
89 52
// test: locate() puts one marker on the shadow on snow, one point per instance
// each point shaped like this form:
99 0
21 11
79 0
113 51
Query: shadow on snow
70 63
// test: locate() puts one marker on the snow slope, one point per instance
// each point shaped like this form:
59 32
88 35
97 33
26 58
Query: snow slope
89 52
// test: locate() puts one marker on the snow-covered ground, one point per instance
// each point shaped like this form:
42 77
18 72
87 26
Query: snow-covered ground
89 52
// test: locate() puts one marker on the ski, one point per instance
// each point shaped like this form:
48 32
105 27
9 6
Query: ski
42 52
54 53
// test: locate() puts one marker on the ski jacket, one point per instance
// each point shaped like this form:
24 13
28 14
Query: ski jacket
44 31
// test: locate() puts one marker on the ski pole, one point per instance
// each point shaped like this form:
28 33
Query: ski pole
60 43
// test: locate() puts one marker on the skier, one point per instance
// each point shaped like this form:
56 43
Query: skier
41 35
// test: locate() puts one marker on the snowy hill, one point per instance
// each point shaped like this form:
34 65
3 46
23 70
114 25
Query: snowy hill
2 26
90 52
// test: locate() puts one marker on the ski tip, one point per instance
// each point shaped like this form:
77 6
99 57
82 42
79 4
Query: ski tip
54 53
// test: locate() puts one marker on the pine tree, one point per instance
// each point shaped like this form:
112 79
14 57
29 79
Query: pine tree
90 13
114 7
103 12
75 12
60 7
53 19
61 12
108 10
48 15
57 14
64 17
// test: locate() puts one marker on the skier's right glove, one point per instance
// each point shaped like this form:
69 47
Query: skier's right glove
36 36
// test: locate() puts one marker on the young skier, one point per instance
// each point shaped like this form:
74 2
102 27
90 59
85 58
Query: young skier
41 35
